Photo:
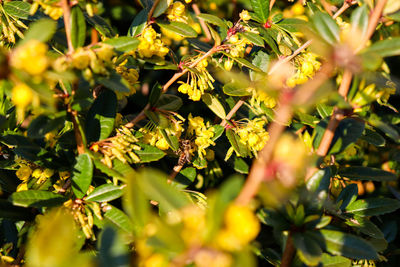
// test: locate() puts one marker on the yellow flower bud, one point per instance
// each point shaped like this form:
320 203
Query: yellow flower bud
24 172
228 64
245 16
184 88
162 144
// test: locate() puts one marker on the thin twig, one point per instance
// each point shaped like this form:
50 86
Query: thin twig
151 12
67 23
203 25
234 110
288 253
271 4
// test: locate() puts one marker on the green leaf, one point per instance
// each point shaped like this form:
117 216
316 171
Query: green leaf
324 110
78 27
104 169
179 28
138 24
292 24
172 140
154 185
185 178
212 20
386 128
326 27
41 30
149 153
169 102
115 82
243 62
385 48
238 146
367 173
82 175
240 165
254 38
101 116
348 195
123 44
339 243
118 218
100 25
373 138
307 248
260 60
105 193
17 9
261 9
359 19
37 199
235 89
113 251
335 261
42 125
213 103
155 94
365 226
218 131
373 206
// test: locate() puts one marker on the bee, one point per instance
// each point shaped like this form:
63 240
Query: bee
184 152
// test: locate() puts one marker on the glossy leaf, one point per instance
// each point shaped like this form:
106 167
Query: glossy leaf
138 24
254 38
307 248
326 27
101 116
335 261
212 19
78 27
385 48
365 226
123 44
367 173
82 174
235 89
373 206
213 103
118 218
149 153
179 28
169 102
18 9
37 199
261 9
348 195
104 193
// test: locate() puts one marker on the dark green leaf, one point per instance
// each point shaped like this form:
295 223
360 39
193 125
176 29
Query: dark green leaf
155 94
123 44
104 193
240 165
386 128
162 6
100 25
373 206
101 116
307 248
185 178
138 23
254 38
348 195
365 226
172 140
326 27
82 175
118 218
261 9
113 251
373 138
115 82
212 19
42 125
169 102
339 243
18 9
179 28
9 211
238 146
149 153
367 173
218 131
213 103
78 27
37 199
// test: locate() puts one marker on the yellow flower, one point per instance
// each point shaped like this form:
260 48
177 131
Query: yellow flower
242 223
22 95
184 88
24 172
31 57
81 59
105 52
245 16
297 9
228 64
156 260
22 187
162 144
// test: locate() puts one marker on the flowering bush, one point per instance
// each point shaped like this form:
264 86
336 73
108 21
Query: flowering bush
199 133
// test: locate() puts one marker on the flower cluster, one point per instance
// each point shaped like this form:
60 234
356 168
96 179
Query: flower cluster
237 44
203 133
82 212
131 75
10 26
253 134
151 45
153 136
28 172
199 80
31 58
121 146
50 7
307 65
259 96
